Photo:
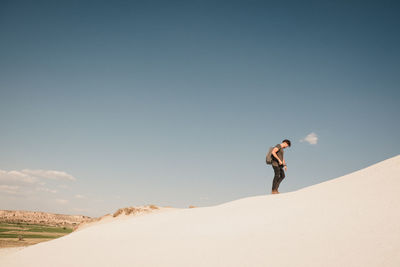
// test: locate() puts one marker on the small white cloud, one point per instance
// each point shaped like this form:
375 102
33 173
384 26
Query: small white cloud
80 196
311 138
61 201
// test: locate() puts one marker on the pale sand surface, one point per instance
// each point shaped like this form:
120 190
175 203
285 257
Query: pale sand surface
8 251
353 220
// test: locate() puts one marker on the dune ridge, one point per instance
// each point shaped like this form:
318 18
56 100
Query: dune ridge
122 213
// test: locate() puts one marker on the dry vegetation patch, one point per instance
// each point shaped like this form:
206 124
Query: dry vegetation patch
25 234
135 210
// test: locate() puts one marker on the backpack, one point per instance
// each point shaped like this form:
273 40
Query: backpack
269 156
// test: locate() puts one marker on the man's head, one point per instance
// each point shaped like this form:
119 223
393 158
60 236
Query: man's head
286 143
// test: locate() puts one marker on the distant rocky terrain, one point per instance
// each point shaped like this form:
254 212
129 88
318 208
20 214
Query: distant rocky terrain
72 221
25 228
38 217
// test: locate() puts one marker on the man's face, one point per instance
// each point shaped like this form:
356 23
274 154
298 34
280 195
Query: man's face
284 145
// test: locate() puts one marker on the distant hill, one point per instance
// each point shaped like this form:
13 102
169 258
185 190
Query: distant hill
73 221
38 217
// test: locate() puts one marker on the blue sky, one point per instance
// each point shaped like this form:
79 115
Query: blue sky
107 104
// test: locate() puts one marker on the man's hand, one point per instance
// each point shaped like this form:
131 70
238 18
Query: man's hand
283 165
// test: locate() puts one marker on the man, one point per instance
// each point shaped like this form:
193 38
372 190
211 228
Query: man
278 163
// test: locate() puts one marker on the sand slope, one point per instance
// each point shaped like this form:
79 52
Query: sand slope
353 220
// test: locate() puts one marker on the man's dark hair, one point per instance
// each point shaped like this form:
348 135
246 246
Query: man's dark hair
287 142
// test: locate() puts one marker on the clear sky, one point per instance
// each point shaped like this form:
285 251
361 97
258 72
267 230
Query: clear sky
108 104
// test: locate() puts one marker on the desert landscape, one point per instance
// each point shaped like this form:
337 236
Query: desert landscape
353 220
24 228
200 133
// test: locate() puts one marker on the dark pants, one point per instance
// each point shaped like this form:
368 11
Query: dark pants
279 175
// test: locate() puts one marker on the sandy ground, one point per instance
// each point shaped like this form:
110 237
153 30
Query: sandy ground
14 242
8 251
353 220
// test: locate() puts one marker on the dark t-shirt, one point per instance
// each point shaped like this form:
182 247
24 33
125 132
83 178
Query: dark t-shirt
279 153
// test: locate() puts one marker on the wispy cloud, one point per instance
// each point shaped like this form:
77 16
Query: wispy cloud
45 189
36 188
62 201
49 174
311 138
28 176
31 182
9 189
16 177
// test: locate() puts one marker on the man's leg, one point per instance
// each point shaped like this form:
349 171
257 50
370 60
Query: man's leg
281 177
275 182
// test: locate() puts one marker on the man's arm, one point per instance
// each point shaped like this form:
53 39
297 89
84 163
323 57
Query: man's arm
275 155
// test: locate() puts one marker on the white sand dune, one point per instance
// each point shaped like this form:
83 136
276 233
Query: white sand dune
7 251
353 220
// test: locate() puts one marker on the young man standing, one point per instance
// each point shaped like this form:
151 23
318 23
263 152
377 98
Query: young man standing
278 163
